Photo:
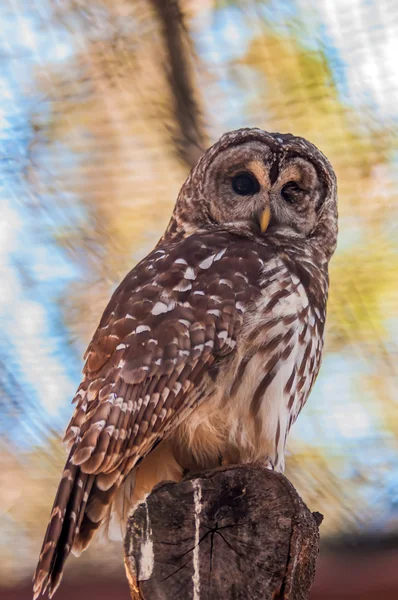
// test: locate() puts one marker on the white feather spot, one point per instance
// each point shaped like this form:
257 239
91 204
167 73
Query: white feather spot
161 252
199 293
98 425
240 306
74 430
214 311
207 262
121 347
189 273
159 308
110 429
181 261
142 328
68 475
226 282
223 335
317 312
165 393
183 286
220 254
176 387
245 279
184 322
57 511
128 316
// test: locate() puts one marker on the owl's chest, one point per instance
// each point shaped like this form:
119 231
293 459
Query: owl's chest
263 385
276 363
258 396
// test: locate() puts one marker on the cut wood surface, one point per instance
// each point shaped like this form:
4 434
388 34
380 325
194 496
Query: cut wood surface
238 532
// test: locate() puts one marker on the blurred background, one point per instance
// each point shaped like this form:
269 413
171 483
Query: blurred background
104 107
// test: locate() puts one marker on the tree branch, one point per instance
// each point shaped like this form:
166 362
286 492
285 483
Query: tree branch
190 138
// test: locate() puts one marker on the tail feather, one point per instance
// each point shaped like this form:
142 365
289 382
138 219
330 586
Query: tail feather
93 517
65 540
86 495
59 521
70 527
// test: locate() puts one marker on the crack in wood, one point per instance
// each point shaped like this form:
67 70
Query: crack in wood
268 544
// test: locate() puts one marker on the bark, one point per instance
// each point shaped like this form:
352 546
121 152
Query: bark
238 532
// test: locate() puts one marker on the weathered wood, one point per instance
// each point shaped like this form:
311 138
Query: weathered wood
234 533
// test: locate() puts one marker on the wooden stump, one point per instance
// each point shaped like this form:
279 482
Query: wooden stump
238 532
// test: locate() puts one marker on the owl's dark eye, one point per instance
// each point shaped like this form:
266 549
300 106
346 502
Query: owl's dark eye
245 184
291 192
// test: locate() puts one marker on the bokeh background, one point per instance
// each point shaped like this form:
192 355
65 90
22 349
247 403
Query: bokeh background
104 107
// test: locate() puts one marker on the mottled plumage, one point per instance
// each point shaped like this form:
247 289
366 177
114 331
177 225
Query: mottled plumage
209 348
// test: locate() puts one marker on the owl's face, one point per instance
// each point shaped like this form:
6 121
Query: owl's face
253 182
255 186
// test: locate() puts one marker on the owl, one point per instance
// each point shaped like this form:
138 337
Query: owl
209 348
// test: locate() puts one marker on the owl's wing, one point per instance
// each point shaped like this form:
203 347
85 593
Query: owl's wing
174 315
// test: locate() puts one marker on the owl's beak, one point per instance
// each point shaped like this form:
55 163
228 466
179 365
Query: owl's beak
265 218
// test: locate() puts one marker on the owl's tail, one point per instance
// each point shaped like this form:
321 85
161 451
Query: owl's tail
80 506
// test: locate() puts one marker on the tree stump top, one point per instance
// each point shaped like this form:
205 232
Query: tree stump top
233 533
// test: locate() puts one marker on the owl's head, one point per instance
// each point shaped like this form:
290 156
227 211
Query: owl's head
254 183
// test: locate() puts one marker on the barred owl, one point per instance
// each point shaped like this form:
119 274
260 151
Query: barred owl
209 347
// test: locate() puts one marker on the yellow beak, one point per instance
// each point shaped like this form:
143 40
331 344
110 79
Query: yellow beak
265 219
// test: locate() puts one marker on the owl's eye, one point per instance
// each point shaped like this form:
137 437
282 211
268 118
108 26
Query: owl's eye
291 192
245 184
